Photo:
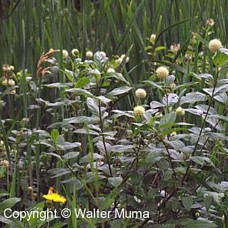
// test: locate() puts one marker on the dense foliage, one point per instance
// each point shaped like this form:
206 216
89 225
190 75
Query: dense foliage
81 132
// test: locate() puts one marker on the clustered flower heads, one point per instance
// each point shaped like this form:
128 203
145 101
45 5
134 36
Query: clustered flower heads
139 111
8 82
214 45
140 93
162 72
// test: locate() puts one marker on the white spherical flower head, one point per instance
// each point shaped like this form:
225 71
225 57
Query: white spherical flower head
163 193
210 22
13 91
11 82
118 61
111 70
95 72
12 68
122 57
180 111
152 38
140 93
89 54
139 111
214 45
5 82
175 48
75 52
162 72
103 53
65 53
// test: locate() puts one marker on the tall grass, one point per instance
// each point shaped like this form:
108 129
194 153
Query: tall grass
36 26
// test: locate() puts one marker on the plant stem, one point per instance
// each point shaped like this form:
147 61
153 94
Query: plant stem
103 138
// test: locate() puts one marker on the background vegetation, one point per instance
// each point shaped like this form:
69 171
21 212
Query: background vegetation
29 28
68 120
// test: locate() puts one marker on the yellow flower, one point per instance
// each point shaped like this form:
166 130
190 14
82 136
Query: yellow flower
140 93
139 111
162 72
55 197
214 45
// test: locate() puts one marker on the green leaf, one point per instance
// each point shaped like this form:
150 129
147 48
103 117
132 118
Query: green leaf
167 120
154 84
115 181
204 161
187 202
120 91
70 155
82 82
189 223
221 57
81 119
6 221
8 203
92 105
57 85
119 77
193 97
54 135
78 91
